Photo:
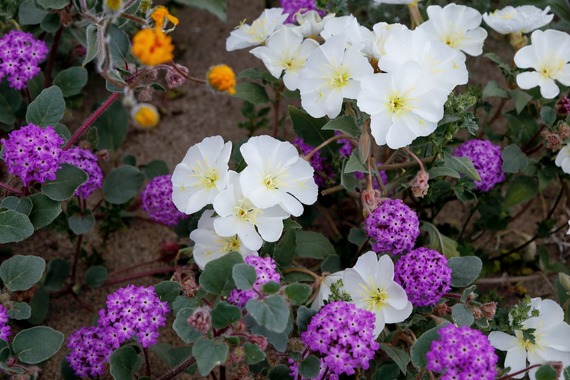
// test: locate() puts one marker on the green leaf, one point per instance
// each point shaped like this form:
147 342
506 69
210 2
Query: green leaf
442 171
182 328
10 101
388 371
357 236
422 346
57 272
284 251
461 315
271 313
53 4
251 92
354 164
464 270
119 46
216 7
44 210
67 180
345 124
514 160
209 354
14 226
313 245
521 99
280 372
310 367
124 363
304 315
154 168
36 344
217 276
167 291
81 224
47 108
546 372
40 306
224 314
310 129
22 272
122 184
462 165
112 127
521 189
493 89
298 293
399 356
20 310
91 39
440 242
71 81
29 14
244 276
270 287
96 276
253 353
548 115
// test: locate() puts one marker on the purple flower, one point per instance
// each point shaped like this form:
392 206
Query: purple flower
393 226
4 326
424 275
157 201
293 6
265 271
317 162
462 353
89 352
375 185
87 161
32 153
486 158
20 55
331 337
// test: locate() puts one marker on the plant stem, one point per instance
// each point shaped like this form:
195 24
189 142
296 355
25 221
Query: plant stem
91 119
76 258
138 20
178 369
222 372
128 269
146 362
404 165
506 280
528 242
471 213
51 59
332 190
10 189
135 276
323 144
184 75
302 270
510 376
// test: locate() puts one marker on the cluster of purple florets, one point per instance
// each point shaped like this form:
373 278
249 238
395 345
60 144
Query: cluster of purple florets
4 326
33 153
486 158
132 313
265 271
462 353
342 336
157 201
20 55
424 275
323 170
393 226
294 6
87 161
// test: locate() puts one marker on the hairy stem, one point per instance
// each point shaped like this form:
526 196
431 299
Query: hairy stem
76 258
323 144
178 369
51 59
10 189
146 362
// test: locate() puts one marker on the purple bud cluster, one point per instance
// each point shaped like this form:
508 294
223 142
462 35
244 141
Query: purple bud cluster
486 158
317 162
157 201
4 326
265 271
32 153
20 55
342 336
294 6
393 226
424 275
132 313
462 353
87 161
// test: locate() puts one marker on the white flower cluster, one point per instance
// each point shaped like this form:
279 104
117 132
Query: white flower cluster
249 206
401 78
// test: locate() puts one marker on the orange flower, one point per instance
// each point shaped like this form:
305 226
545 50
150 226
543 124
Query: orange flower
222 78
160 14
152 47
145 115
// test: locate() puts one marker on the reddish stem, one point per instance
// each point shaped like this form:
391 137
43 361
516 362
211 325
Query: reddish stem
11 189
510 376
52 54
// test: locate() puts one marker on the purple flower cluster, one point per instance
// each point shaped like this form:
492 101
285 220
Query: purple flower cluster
294 6
33 153
89 353
486 158
87 161
393 226
265 271
346 148
342 335
157 201
462 353
317 162
20 55
424 275
4 326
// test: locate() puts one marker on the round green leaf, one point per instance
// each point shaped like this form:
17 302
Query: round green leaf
81 223
313 245
182 328
251 92
464 270
53 4
271 313
298 293
36 344
22 272
422 346
521 189
47 108
20 310
253 353
21 205
546 372
39 305
461 315
71 80
304 315
14 226
96 276
67 180
209 354
122 184
224 315
44 210
124 363
217 276
310 367
167 291
154 169
244 276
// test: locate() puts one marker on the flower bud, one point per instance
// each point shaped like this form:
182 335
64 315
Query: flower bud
563 106
174 78
113 8
145 95
260 340
145 115
103 155
201 319
488 309
364 144
420 185
169 249
371 199
563 131
553 141
441 310
564 281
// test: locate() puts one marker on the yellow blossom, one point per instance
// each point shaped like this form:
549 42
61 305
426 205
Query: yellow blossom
145 115
222 78
160 14
113 7
152 47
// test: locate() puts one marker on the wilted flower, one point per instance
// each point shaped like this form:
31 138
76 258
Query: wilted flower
523 19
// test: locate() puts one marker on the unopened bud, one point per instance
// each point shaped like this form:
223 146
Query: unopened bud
553 141
371 199
145 95
174 78
103 155
488 309
365 143
442 310
476 311
260 340
564 281
420 185
201 319
563 131
563 106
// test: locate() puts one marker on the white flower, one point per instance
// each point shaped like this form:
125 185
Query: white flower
325 289
238 216
356 35
563 159
276 175
548 54
371 285
311 24
330 75
381 31
286 51
260 29
523 19
402 105
209 246
457 26
201 175
550 340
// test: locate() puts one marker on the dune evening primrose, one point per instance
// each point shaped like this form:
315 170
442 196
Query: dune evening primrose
523 19
311 24
87 161
276 175
208 245
20 55
265 270
325 289
548 55
201 175
486 158
222 78
540 339
260 29
157 201
145 115
374 47
563 159
347 26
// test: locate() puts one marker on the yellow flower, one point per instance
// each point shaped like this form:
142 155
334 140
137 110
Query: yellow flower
222 78
113 6
160 14
152 47
145 115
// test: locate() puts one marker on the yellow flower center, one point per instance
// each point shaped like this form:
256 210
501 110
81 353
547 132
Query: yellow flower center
146 116
152 47
551 66
222 78
453 39
246 211
339 78
209 178
232 245
375 298
270 182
